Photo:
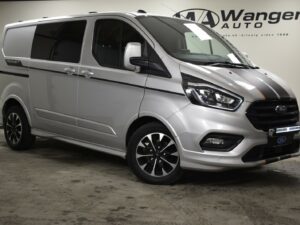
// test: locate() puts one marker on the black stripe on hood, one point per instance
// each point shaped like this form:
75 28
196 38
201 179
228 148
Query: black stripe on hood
264 84
278 88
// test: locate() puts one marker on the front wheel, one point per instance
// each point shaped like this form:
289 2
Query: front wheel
17 130
153 155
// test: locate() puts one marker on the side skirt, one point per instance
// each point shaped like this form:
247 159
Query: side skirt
117 152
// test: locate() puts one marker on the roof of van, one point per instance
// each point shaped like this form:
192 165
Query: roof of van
90 14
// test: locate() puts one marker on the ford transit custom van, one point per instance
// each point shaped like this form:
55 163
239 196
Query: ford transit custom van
166 94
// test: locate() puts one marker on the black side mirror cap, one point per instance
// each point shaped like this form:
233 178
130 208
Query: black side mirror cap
150 67
139 61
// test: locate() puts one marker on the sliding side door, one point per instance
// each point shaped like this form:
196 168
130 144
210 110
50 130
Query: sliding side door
54 67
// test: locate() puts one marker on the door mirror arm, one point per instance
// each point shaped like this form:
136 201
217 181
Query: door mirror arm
146 65
139 61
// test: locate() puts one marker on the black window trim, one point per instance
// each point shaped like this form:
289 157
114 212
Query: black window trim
140 31
62 21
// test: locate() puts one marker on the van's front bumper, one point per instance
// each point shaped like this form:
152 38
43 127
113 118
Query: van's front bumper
193 123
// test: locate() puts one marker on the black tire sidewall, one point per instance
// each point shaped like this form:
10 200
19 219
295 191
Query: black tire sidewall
131 155
26 138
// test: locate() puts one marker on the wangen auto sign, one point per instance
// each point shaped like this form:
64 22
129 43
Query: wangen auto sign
236 18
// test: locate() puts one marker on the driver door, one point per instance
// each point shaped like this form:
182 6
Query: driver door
109 96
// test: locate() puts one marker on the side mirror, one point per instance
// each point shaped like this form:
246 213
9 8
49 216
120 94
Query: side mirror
132 50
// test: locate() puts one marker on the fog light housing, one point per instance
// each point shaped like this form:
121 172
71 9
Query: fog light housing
220 142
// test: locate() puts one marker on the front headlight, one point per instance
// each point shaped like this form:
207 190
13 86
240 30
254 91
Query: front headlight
213 97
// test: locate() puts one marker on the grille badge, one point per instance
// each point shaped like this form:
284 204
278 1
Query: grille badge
281 109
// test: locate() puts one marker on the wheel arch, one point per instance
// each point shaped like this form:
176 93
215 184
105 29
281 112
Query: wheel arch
148 118
15 100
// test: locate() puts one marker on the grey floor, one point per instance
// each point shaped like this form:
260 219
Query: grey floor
58 183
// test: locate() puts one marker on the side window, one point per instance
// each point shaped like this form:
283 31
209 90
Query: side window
110 39
18 41
58 41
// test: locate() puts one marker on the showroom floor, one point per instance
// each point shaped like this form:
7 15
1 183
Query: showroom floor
58 183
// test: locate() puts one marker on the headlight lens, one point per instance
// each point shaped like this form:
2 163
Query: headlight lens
213 97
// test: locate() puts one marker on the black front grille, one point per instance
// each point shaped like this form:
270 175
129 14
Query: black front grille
263 116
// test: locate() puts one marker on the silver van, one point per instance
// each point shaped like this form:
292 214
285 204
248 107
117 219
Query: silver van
166 94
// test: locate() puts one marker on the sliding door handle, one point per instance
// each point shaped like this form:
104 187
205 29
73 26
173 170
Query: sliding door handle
87 73
69 70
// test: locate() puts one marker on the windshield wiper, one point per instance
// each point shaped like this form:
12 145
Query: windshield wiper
230 64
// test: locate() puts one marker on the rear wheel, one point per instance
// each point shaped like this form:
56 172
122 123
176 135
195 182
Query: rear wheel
153 155
17 130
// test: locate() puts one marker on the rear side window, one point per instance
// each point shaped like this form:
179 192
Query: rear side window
18 41
58 41
110 39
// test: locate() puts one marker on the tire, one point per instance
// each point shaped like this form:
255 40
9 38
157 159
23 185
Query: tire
17 130
153 156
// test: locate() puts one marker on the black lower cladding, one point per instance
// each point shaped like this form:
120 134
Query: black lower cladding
6 73
265 152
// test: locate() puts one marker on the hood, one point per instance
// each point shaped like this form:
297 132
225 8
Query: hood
251 84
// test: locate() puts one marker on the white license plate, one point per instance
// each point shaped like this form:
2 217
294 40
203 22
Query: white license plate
281 130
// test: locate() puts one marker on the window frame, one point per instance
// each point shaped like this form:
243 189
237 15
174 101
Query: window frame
94 40
136 27
219 37
63 21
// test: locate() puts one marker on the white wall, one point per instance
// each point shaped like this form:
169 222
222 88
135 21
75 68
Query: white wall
279 54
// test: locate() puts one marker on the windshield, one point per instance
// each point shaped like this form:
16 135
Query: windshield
191 42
